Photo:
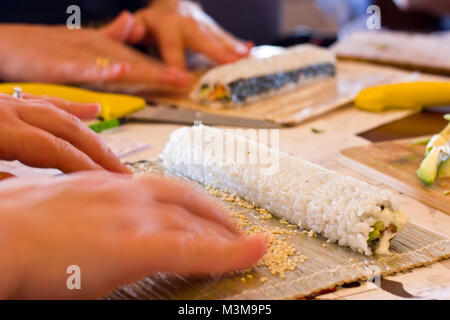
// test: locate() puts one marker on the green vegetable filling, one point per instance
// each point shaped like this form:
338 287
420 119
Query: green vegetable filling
204 90
377 228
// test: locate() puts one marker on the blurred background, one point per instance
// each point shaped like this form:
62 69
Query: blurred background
281 22
287 21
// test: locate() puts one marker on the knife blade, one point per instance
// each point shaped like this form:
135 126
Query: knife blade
167 114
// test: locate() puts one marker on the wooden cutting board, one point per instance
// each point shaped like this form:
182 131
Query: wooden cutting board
395 163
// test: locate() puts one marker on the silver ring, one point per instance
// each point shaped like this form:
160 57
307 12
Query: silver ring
18 93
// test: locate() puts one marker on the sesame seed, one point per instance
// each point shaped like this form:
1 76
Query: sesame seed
281 255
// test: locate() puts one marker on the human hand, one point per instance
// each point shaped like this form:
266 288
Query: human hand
174 26
45 132
116 229
59 55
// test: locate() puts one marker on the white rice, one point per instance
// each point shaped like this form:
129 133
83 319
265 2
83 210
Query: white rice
290 59
338 207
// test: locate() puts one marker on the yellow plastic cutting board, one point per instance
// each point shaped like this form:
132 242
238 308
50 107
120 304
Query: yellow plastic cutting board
113 105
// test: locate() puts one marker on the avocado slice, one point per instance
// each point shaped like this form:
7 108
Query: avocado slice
204 90
439 140
377 228
444 168
428 168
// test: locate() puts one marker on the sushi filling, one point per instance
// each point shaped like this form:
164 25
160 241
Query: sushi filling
215 93
386 229
240 90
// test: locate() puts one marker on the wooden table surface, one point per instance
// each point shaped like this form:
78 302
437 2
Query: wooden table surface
340 130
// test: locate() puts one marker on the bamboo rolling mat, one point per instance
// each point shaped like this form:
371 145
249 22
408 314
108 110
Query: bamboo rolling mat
292 108
322 265
412 51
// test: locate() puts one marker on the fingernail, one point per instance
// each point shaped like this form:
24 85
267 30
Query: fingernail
241 49
98 106
120 68
126 169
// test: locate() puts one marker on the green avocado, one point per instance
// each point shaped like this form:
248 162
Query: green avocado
428 168
377 228
204 90
444 168
439 140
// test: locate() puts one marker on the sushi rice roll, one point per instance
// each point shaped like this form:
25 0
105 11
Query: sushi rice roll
255 78
340 208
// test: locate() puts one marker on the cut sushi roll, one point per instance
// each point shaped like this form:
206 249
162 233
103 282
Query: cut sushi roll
340 208
254 78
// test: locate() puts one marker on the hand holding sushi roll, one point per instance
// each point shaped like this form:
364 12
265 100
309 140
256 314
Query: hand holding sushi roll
36 53
115 229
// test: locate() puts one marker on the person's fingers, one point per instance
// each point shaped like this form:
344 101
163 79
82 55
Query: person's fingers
249 45
170 44
90 71
38 148
84 111
150 75
205 43
6 175
138 32
233 45
121 28
184 195
63 125
180 219
186 254
174 76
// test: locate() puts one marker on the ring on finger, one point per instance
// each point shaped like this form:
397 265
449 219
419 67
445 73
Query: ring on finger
102 62
18 93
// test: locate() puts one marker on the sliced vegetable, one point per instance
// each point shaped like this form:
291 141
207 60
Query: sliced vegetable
377 228
440 139
428 168
421 142
444 168
204 90
317 131
218 93
437 155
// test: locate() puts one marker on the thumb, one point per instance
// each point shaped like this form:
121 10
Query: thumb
120 28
